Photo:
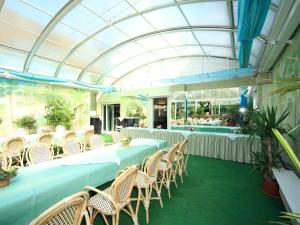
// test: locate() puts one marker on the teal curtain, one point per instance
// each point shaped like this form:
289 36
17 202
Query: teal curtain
251 18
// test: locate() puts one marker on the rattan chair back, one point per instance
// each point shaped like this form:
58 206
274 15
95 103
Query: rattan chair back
46 138
96 141
39 153
172 152
14 146
116 136
152 165
69 135
123 184
87 135
68 211
183 145
71 146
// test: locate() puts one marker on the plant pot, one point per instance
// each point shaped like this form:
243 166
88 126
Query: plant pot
4 182
271 188
125 145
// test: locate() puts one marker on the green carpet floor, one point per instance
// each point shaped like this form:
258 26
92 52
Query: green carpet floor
216 192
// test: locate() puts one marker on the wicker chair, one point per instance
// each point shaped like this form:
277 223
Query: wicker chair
5 161
69 135
46 138
169 167
14 148
71 146
87 137
115 198
96 141
147 180
184 159
116 136
39 153
69 211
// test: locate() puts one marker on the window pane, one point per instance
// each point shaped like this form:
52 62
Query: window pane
53 51
131 49
69 72
180 38
213 38
16 38
42 66
51 7
256 48
24 16
12 59
218 51
111 36
189 50
166 18
153 42
146 4
90 78
135 26
207 13
166 53
269 22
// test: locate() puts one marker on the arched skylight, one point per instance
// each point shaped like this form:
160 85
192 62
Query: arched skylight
116 42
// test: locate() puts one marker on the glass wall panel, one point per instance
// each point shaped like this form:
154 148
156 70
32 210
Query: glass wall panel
268 23
42 66
212 13
69 72
180 38
205 107
90 78
146 4
213 37
153 42
12 59
165 18
135 26
16 38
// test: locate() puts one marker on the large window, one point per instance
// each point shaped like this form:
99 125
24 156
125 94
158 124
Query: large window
206 107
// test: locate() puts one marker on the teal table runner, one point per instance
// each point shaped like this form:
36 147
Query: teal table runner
33 191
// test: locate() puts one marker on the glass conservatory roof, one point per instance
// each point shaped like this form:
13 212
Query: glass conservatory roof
123 43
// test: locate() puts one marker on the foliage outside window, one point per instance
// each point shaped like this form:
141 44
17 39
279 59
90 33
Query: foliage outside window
58 112
28 123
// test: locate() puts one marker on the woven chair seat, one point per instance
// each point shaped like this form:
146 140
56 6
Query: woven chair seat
164 166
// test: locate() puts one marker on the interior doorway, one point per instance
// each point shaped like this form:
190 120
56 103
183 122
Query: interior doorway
110 113
160 113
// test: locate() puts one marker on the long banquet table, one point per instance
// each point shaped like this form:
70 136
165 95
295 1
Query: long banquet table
226 146
205 128
38 187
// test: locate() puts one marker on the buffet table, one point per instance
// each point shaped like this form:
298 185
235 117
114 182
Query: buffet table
202 128
38 187
226 146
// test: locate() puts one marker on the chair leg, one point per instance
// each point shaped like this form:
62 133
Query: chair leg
138 201
168 180
113 220
185 163
117 217
133 216
158 194
146 203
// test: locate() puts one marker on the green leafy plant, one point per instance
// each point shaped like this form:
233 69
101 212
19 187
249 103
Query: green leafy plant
261 162
287 215
27 122
4 174
288 149
261 124
57 112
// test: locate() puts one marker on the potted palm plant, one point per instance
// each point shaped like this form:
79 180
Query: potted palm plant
262 125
